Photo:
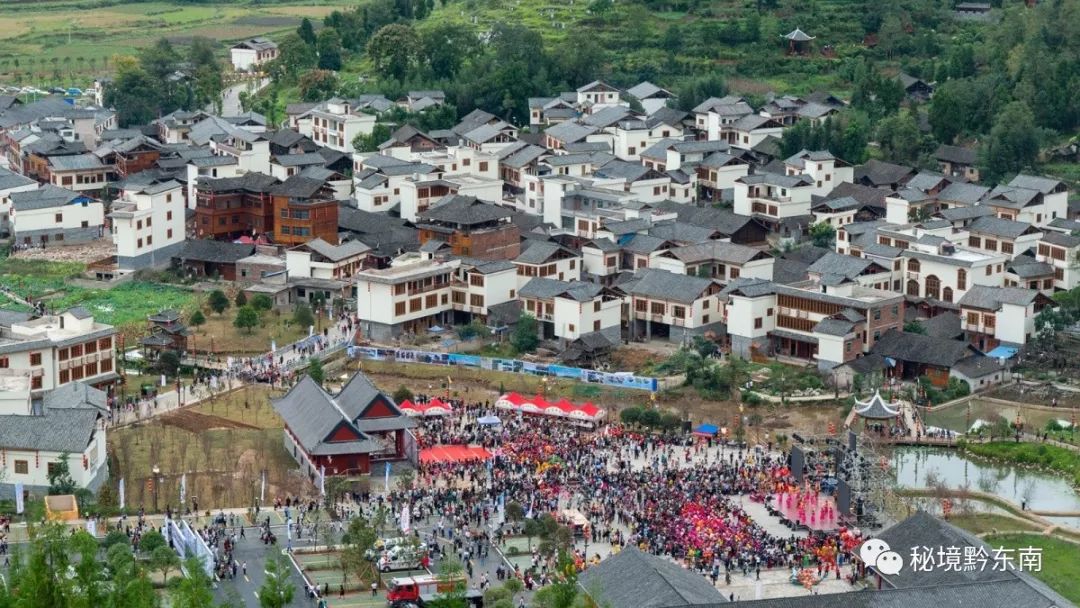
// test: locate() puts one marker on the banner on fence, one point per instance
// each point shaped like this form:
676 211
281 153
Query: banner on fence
621 380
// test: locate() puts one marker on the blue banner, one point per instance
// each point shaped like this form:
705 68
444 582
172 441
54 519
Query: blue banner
621 380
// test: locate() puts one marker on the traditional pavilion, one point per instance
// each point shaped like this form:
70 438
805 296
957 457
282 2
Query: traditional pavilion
344 433
798 42
876 410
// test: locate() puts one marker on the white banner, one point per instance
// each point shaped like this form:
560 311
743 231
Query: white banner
322 480
405 517
19 506
183 490
91 527
386 478
122 503
262 490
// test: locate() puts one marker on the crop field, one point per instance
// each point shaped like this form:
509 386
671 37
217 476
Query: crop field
75 39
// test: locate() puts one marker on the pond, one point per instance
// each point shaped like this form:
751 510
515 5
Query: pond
1043 491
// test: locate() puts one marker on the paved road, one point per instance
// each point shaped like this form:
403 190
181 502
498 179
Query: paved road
230 97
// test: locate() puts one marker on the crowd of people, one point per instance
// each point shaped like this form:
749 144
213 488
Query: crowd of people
672 496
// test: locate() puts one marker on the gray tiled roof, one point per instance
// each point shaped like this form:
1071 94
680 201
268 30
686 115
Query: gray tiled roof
539 252
1045 185
466 210
643 244
569 132
337 252
962 192
311 414
10 179
991 298
664 285
205 250
846 266
66 429
43 198
834 327
916 348
1064 240
880 173
999 227
633 579
720 251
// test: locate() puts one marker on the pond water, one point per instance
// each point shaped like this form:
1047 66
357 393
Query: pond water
1043 492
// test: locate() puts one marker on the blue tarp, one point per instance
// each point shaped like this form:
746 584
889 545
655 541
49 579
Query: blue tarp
706 429
1002 352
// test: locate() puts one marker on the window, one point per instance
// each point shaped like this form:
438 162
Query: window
704 305
877 314
149 222
476 280
733 273
483 165
168 233
895 310
35 358
444 299
149 240
678 312
35 382
990 245
1006 247
60 218
641 305
4 363
415 304
658 308
1059 274
757 323
847 347
106 365
76 351
596 306
431 301
961 279
989 270
399 289
973 318
988 320
91 347
596 325
913 265
138 244
62 354
168 215
769 312
22 467
65 376
705 319
573 264
974 241
399 308
51 467
91 369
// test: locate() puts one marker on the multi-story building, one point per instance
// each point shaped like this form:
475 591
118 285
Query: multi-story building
56 216
568 309
719 260
318 259
824 170
479 285
38 432
231 207
252 53
547 259
992 316
1061 251
772 198
675 306
827 324
79 172
471 227
335 124
303 209
409 297
55 350
148 225
993 235
10 183
936 269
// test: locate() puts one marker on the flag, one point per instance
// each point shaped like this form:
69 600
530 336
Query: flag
122 493
262 490
91 527
405 518
386 478
322 480
19 506
183 488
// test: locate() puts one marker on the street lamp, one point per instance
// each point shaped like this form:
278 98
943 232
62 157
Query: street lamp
157 482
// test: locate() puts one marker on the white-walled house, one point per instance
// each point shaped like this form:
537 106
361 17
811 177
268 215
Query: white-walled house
936 269
55 216
824 169
677 306
409 297
334 124
991 316
10 183
54 350
253 53
569 309
719 260
35 433
317 259
1061 251
148 225
772 197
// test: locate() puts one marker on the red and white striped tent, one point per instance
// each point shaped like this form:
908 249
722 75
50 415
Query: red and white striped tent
435 407
538 405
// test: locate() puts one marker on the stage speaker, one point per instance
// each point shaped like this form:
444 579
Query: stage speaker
798 463
686 426
852 441
843 497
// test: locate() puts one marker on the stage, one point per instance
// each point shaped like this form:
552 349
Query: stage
817 513
453 453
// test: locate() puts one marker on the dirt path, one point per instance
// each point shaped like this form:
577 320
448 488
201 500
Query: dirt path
194 422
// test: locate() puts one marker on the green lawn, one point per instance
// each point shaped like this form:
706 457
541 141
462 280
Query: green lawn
1060 560
129 302
981 523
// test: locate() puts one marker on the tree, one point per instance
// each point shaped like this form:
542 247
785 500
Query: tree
402 393
650 417
914 327
822 234
631 415
164 560
1013 143
240 299
525 339
151 541
168 362
116 537
262 302
197 319
452 580
946 114
359 538
371 141
891 36
315 370
193 590
532 528
329 45
246 319
900 138
446 47
395 50
317 85
294 58
277 590
218 301
302 315
134 93
307 32
60 481
514 511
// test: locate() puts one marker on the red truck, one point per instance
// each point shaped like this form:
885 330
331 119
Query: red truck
409 589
